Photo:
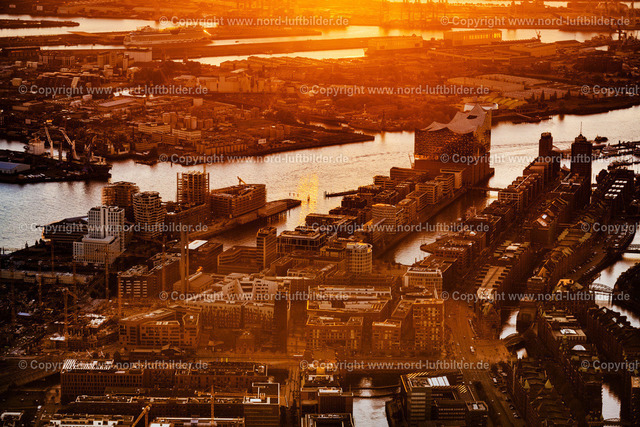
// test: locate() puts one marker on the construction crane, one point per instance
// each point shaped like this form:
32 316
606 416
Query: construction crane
46 131
240 181
145 414
66 312
213 404
72 144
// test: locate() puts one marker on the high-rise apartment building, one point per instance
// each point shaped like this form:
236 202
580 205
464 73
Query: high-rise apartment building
149 214
193 188
428 322
581 159
120 194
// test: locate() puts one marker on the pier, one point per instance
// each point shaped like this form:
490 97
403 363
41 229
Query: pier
339 193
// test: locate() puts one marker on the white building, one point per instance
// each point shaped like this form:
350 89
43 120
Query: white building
425 278
36 147
106 238
391 215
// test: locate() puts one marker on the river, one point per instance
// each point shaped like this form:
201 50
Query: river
334 168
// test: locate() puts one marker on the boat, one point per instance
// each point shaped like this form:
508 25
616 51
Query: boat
619 164
600 139
149 162
148 36
623 239
391 45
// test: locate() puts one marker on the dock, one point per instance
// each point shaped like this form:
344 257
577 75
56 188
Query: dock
328 195
271 210
241 49
424 215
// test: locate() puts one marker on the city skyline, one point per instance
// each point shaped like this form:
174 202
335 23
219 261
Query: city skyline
299 214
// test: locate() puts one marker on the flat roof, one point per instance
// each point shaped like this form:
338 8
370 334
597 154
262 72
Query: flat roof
11 165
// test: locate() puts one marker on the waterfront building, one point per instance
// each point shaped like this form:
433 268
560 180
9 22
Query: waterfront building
472 37
557 328
184 217
464 144
535 396
231 202
433 190
203 255
64 233
386 337
106 238
521 191
434 397
149 214
300 239
120 194
581 160
389 215
193 188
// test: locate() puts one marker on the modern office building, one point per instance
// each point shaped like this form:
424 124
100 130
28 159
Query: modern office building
266 241
159 328
94 377
64 233
581 156
359 257
390 216
440 398
203 255
300 239
581 164
386 337
423 277
144 282
324 332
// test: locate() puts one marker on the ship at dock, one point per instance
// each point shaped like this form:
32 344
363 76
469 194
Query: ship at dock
391 45
177 36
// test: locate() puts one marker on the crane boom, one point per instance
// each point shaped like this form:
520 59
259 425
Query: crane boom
46 131
72 144
144 413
